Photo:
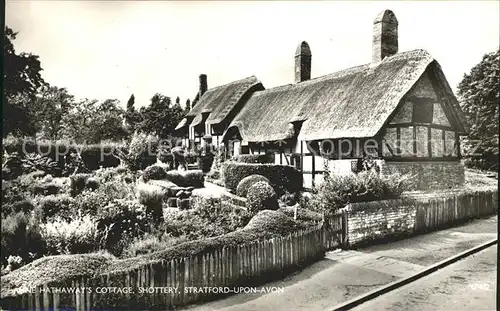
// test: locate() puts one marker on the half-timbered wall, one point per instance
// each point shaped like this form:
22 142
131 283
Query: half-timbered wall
421 128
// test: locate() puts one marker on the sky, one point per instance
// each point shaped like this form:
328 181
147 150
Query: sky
112 49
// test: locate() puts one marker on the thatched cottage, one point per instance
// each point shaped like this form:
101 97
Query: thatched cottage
398 109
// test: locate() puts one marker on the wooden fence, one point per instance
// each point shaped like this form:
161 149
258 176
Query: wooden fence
222 271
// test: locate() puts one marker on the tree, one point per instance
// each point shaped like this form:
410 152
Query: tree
479 94
51 105
160 117
188 105
92 122
21 81
132 116
177 101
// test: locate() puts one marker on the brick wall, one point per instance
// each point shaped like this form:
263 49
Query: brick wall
429 175
373 220
368 221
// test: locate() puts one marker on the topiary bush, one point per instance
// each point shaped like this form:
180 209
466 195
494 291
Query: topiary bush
155 172
193 178
261 196
281 177
267 158
247 182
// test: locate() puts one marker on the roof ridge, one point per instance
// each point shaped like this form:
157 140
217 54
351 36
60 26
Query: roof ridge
233 82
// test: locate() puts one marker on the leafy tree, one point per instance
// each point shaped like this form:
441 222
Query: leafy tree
52 104
92 122
178 100
160 117
479 94
188 105
21 81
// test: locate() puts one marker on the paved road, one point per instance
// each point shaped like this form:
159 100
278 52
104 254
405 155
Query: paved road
469 284
341 276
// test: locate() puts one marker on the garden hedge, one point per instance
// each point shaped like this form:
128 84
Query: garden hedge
247 182
194 178
267 158
281 177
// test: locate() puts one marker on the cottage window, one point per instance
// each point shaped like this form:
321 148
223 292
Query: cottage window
422 112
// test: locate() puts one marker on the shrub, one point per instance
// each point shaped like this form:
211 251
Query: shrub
193 178
46 189
23 206
140 152
124 220
78 235
205 162
13 166
35 162
54 205
261 196
92 183
20 236
100 155
338 191
281 177
255 158
290 199
152 243
247 182
151 197
154 172
78 182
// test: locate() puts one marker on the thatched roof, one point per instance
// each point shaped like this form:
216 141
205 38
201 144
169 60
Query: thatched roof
352 103
220 101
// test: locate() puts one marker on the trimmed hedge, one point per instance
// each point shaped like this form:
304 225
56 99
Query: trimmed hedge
247 182
154 172
281 177
267 158
193 178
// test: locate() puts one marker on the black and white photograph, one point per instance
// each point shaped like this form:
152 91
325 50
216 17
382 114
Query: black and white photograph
250 155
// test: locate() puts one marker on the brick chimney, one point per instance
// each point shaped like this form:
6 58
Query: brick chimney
203 84
385 35
302 62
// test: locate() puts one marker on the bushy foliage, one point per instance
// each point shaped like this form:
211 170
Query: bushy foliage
151 196
22 206
479 95
281 177
209 217
337 191
92 183
151 243
79 234
124 220
290 199
267 158
20 236
54 205
261 196
12 166
193 178
140 152
155 172
35 162
78 182
247 182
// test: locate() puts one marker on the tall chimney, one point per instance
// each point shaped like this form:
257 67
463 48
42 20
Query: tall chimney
385 36
203 84
302 62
